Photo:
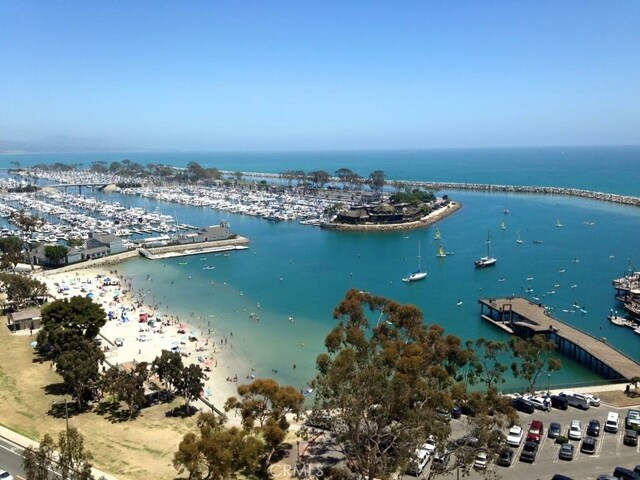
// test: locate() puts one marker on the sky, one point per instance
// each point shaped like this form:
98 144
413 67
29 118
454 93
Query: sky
301 75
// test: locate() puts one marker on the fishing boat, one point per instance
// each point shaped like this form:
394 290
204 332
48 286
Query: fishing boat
487 261
418 274
437 235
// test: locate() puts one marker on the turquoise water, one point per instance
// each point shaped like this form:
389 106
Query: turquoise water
303 272
606 169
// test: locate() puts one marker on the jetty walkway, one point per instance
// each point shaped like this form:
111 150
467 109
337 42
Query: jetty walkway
490 188
524 318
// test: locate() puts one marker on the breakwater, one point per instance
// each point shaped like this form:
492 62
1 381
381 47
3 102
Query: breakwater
490 188
573 192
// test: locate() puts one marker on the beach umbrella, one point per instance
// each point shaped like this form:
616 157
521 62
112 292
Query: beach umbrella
34 344
90 295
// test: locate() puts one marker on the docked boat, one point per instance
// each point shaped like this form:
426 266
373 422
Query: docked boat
488 260
418 274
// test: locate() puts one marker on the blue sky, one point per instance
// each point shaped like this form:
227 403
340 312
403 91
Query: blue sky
294 74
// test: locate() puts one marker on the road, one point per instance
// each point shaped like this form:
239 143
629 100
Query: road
11 459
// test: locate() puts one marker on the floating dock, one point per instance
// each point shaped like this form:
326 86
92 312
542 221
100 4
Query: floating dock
186 249
524 318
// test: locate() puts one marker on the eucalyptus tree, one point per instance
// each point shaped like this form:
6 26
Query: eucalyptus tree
532 357
385 382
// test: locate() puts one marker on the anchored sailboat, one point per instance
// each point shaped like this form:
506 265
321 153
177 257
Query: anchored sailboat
418 274
488 260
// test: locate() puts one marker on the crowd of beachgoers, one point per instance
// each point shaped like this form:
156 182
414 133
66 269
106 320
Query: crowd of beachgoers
137 331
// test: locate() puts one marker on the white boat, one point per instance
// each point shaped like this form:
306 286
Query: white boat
418 274
558 224
441 252
488 260
518 239
503 225
438 235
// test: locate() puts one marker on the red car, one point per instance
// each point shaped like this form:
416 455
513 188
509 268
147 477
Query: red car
536 431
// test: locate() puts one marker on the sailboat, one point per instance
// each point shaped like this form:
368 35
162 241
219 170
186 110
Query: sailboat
558 224
438 235
418 274
518 239
441 252
503 225
488 260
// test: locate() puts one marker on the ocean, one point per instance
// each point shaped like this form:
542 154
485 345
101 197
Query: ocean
293 276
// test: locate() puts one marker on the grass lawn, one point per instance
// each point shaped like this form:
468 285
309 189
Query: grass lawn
134 449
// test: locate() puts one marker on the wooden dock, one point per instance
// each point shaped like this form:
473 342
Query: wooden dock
525 318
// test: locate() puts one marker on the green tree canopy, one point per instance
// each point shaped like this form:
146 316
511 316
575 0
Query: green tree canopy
168 366
27 224
126 386
190 383
79 314
532 358
319 177
56 253
22 291
79 367
383 380
218 453
263 406
11 252
376 180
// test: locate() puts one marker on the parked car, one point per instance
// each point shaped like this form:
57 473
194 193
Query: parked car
514 437
612 423
566 451
529 452
456 411
540 403
536 431
419 462
625 474
575 430
481 461
593 429
555 430
467 441
606 476
441 459
577 400
630 437
506 457
559 476
633 418
4 475
559 401
589 445
430 445
523 405
593 400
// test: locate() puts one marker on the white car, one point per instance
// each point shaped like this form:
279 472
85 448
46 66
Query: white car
633 417
541 403
481 461
514 437
4 475
420 461
575 430
593 400
430 445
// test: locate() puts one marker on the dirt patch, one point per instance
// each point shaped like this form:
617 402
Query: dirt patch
620 399
138 449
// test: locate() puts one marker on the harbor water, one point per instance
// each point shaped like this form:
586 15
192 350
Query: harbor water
278 297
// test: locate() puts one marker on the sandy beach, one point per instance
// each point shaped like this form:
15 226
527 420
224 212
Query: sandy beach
138 332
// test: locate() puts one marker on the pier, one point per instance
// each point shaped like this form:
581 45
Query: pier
524 318
187 249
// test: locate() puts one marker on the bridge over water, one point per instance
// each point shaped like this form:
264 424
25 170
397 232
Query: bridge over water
524 318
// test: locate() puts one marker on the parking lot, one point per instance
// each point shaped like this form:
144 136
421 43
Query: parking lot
610 450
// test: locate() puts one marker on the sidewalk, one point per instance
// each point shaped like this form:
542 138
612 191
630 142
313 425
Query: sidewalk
25 442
